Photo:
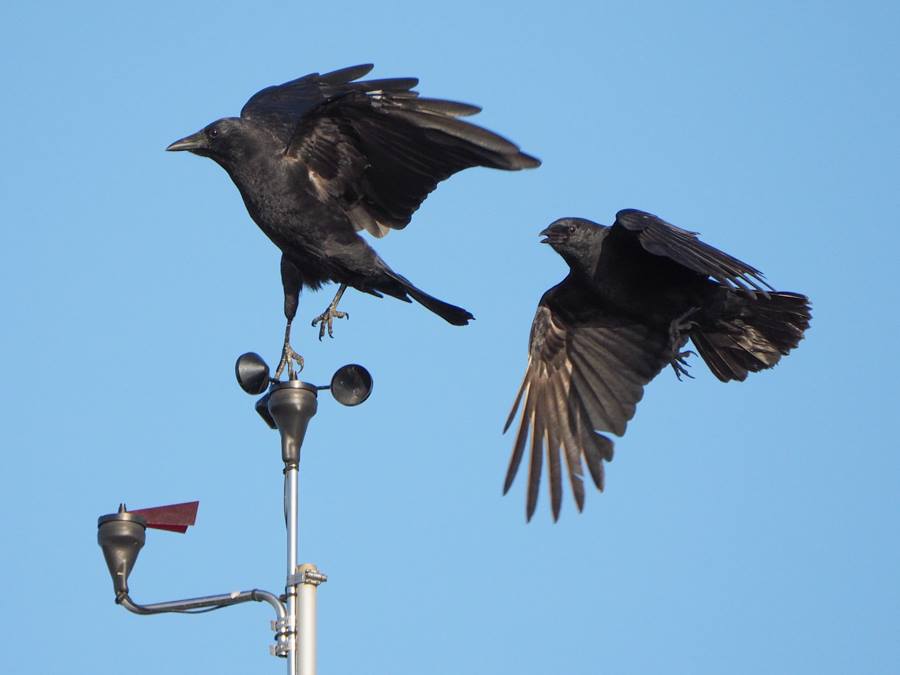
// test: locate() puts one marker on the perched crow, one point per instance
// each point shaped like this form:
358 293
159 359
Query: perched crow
635 293
322 157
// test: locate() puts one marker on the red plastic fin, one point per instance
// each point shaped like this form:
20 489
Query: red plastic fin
174 517
169 528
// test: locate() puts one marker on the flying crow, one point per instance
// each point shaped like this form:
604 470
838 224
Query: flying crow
635 293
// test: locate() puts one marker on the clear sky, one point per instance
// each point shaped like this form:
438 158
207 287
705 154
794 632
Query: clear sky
746 528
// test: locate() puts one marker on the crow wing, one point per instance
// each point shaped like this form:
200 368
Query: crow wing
376 146
658 237
281 106
586 372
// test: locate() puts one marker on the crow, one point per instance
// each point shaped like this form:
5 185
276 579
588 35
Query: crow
322 157
635 293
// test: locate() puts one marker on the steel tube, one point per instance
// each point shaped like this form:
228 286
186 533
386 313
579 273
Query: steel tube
291 507
307 628
291 405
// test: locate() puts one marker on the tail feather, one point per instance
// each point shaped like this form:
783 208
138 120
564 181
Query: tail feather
755 337
403 289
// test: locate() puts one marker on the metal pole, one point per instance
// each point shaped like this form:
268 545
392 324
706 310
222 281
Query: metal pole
310 578
307 629
291 405
291 502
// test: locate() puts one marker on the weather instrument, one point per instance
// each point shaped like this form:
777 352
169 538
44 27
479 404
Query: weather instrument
287 406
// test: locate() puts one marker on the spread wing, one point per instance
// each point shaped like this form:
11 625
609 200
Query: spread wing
282 106
586 372
376 146
658 237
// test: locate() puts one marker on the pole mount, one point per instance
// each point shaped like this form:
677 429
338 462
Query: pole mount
307 573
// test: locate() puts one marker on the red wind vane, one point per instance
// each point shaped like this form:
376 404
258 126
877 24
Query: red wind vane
173 517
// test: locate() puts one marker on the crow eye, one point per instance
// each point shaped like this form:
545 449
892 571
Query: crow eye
571 229
212 132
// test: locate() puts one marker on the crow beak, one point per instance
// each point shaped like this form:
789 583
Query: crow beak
546 234
190 143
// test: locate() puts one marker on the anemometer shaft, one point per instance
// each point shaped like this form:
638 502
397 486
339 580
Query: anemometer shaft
301 586
291 477
291 405
300 589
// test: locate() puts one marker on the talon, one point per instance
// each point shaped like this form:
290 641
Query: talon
677 328
680 365
325 320
288 358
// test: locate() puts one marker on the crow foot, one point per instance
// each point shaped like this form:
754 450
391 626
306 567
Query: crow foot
678 339
288 358
326 319
680 365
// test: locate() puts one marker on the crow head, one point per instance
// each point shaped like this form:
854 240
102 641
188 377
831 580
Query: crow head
226 141
570 236
577 240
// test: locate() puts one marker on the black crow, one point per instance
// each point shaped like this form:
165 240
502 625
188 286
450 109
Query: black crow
322 157
635 293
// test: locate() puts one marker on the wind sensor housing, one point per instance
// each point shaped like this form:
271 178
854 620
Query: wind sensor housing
350 385
121 535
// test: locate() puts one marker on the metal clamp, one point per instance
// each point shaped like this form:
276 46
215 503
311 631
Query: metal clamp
307 574
284 637
280 650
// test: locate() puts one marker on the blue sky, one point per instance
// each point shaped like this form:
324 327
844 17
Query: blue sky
745 528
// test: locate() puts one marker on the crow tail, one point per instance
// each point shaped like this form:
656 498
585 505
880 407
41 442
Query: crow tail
754 333
403 289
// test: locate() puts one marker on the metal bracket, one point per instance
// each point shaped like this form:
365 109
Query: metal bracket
307 575
280 650
284 637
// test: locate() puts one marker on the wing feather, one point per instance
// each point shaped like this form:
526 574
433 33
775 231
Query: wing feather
519 446
375 146
537 453
398 155
597 396
562 435
586 373
658 237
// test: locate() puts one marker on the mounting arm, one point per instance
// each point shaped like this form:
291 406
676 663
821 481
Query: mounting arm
205 602
284 637
121 535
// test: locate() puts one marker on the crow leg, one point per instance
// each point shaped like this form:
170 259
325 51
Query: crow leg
678 339
290 280
326 318
288 356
